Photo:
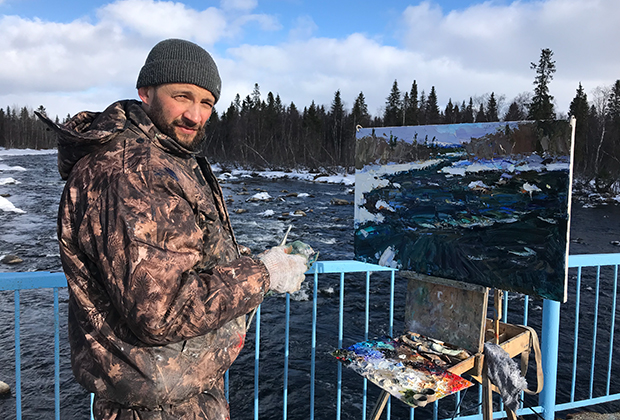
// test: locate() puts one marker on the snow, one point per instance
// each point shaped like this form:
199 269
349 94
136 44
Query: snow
6 168
9 181
6 205
25 152
301 175
262 196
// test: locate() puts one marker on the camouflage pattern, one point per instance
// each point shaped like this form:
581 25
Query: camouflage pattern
158 288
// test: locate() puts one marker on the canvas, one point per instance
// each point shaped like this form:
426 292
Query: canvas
483 203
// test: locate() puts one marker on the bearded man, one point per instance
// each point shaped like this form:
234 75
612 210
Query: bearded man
158 287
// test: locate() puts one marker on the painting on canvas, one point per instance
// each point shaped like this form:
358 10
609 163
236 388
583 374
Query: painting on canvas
484 203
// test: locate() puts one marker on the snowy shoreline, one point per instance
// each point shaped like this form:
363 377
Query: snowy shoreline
302 175
223 175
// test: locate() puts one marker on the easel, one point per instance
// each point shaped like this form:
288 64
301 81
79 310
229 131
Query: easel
455 312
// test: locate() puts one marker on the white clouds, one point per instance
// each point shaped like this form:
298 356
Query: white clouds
157 20
469 52
489 37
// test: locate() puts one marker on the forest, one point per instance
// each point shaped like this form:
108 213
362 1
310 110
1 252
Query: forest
259 133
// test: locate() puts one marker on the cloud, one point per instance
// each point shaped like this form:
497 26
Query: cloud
304 28
472 51
504 39
49 61
164 19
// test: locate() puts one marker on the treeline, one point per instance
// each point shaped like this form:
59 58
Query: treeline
265 133
597 136
23 130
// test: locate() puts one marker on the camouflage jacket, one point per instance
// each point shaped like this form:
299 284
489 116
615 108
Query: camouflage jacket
158 291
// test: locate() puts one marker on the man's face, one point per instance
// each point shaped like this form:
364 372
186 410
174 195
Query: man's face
179 110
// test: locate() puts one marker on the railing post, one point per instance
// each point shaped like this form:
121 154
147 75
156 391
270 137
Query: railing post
550 347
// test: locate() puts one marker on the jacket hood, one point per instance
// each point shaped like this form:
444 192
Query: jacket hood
88 131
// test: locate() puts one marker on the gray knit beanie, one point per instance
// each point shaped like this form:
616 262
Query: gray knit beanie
180 61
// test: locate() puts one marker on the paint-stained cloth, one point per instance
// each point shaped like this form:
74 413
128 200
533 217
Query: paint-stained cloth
158 290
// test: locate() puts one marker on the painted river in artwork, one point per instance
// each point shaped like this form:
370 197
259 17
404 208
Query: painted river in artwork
259 224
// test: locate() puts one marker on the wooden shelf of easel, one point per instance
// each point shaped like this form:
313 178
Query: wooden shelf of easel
514 339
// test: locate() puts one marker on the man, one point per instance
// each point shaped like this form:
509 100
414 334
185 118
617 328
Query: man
158 290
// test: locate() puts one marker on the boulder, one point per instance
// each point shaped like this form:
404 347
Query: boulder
11 259
340 202
4 388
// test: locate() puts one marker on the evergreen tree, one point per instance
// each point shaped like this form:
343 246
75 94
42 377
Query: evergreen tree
541 107
491 111
411 107
468 114
433 114
360 111
613 103
393 108
449 114
612 133
2 127
457 114
514 113
580 109
422 109
335 136
480 115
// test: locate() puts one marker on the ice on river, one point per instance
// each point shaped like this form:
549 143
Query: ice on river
6 205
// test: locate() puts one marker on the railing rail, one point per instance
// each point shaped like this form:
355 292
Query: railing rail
591 269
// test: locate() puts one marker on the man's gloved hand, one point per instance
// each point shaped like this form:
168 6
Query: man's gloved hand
286 271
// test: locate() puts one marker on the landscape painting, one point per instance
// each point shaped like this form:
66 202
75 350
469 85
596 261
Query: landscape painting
483 203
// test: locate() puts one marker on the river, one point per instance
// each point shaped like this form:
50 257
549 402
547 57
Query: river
31 236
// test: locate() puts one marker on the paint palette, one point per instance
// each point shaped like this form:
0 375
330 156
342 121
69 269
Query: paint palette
397 367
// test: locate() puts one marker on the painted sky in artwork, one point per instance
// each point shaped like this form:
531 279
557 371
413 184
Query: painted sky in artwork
482 203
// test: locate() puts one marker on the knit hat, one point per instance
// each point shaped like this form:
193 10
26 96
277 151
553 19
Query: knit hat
180 61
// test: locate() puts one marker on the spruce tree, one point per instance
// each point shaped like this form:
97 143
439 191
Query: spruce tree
491 111
422 109
580 109
541 107
480 115
393 108
433 114
449 114
468 113
411 107
360 111
514 113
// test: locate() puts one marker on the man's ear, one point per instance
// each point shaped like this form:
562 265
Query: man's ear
146 94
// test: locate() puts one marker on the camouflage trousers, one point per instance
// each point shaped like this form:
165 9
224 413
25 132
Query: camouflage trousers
210 405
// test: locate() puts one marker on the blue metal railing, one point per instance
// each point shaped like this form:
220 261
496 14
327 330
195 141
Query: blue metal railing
589 269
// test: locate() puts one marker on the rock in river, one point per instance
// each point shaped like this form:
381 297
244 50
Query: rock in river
11 259
4 388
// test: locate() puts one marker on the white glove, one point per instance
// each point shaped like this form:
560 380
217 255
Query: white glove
286 271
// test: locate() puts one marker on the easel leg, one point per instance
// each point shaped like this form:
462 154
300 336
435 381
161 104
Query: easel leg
487 394
380 405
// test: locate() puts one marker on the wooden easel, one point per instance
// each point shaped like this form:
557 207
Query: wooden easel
424 309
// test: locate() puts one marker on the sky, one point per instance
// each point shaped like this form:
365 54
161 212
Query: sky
76 55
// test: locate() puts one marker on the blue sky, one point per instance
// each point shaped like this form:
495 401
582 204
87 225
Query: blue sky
75 55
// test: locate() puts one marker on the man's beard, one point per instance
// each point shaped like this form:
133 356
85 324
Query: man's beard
157 116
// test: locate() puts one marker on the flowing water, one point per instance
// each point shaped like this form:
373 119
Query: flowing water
258 224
